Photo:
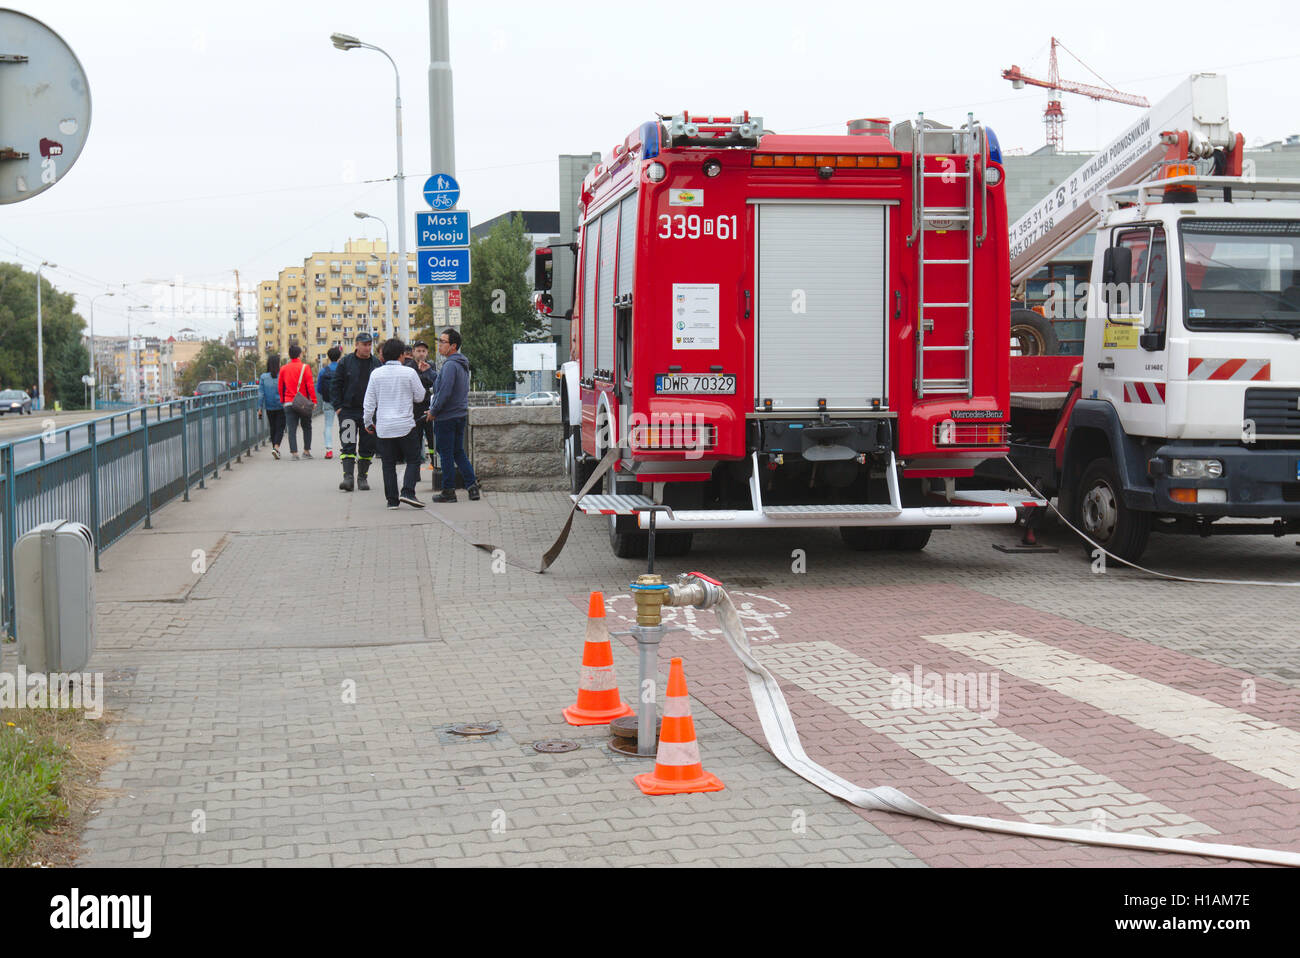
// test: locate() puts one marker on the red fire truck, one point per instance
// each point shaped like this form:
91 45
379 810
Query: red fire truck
782 331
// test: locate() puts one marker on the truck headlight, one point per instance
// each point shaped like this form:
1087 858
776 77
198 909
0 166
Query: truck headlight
1196 469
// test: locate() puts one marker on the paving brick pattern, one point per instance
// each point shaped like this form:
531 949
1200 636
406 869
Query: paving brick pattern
295 707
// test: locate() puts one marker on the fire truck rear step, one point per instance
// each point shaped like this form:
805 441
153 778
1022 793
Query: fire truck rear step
607 505
834 511
994 497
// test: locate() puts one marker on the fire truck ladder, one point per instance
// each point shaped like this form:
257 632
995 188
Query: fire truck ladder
955 219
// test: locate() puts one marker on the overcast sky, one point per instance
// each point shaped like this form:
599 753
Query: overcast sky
234 135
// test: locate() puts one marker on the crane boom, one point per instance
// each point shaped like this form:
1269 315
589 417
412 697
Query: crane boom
1016 75
1190 123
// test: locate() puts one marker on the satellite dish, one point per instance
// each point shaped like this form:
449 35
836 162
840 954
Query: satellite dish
44 107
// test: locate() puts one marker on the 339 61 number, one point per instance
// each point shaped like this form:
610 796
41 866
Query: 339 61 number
694 226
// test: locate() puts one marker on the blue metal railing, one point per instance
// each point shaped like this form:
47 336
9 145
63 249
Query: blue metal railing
111 473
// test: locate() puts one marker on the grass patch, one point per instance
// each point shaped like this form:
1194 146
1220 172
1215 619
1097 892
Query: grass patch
50 760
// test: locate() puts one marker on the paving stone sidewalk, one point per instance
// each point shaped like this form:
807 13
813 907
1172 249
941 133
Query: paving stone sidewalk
291 703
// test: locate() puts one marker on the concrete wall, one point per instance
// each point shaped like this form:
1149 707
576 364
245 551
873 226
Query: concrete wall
517 448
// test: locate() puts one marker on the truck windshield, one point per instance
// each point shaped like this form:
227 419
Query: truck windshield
1241 274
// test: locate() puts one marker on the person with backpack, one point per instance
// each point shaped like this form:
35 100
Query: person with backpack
298 394
327 371
268 402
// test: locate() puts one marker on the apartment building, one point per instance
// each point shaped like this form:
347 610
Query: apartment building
144 369
330 298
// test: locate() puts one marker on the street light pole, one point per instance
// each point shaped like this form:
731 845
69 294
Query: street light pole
344 42
388 293
40 338
94 384
442 131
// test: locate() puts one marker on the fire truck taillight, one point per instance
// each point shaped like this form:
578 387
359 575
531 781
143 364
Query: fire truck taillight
712 168
949 433
674 436
820 160
655 172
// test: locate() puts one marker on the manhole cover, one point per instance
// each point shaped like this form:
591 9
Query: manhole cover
470 729
555 745
627 746
629 725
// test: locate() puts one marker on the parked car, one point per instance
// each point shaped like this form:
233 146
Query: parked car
542 398
209 386
15 400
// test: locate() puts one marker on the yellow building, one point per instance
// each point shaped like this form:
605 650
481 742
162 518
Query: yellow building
330 298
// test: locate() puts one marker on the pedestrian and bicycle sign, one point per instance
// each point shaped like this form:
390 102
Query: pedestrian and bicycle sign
441 191
443 244
442 230
442 267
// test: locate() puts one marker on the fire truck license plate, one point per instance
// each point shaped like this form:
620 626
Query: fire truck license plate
683 383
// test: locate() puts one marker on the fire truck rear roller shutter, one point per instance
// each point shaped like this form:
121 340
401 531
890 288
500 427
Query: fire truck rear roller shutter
829 259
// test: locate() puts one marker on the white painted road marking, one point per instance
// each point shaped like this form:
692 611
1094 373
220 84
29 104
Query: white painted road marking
1238 738
1030 779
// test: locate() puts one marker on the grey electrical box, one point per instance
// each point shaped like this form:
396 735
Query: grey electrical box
54 597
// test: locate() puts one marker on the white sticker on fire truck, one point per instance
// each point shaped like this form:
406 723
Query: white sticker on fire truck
695 316
686 198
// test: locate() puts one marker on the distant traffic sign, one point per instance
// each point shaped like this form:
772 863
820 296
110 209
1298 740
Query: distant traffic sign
441 230
441 191
443 267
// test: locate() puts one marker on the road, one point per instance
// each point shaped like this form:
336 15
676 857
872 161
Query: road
17 428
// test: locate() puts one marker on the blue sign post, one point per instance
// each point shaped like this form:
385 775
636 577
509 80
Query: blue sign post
443 257
442 230
441 191
442 267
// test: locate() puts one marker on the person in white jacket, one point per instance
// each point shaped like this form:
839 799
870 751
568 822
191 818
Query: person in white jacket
391 396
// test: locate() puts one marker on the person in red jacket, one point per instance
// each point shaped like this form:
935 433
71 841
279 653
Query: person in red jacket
296 375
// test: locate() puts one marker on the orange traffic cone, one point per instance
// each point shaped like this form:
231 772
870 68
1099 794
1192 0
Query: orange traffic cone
677 765
598 701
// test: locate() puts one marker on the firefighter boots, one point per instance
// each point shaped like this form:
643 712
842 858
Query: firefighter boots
346 484
363 467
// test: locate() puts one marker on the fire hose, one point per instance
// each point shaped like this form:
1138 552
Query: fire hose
783 739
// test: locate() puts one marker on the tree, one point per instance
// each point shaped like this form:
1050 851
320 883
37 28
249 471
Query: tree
214 353
496 308
66 359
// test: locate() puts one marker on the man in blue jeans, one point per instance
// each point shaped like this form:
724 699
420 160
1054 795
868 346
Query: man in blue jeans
449 411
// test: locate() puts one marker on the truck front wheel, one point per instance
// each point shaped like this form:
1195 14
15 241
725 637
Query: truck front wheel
1104 517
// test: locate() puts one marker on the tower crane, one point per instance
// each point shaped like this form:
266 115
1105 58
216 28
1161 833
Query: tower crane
1054 114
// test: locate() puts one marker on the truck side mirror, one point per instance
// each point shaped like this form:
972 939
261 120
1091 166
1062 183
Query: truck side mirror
1117 265
1152 342
543 265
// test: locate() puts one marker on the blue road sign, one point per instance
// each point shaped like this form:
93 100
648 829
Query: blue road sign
442 267
441 191
441 230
